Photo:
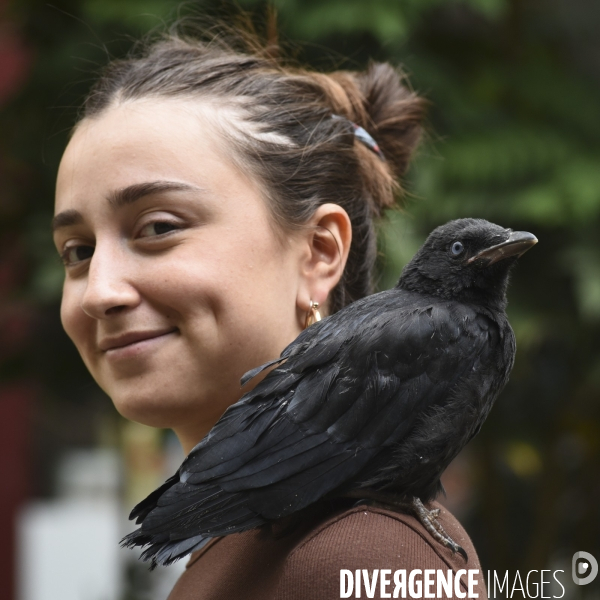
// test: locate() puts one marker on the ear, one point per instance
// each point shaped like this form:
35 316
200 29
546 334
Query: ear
327 244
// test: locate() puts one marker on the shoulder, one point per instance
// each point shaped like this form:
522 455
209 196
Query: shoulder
372 533
306 561
369 538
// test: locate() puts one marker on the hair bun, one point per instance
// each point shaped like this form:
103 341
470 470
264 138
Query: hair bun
379 101
395 113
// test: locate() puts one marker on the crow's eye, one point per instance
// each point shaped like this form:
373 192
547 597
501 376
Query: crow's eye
457 248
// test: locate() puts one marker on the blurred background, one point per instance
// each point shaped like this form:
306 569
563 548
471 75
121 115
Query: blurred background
513 136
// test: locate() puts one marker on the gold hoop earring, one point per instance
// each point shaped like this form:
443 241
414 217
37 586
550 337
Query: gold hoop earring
313 315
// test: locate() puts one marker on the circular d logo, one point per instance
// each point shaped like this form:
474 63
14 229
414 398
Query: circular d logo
585 568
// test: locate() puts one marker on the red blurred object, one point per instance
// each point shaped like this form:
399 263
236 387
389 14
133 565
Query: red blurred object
16 316
15 61
15 329
16 401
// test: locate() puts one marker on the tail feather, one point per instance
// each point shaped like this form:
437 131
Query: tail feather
142 509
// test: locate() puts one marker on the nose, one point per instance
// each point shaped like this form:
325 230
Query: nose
110 287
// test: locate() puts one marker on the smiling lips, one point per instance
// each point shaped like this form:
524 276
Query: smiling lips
132 338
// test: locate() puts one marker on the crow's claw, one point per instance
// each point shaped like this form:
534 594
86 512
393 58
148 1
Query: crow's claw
428 518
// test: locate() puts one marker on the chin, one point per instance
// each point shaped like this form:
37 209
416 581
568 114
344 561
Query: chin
142 413
147 406
171 409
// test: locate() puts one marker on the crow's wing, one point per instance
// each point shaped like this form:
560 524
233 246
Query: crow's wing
349 388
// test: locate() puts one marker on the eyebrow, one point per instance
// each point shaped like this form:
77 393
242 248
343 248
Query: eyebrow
66 218
131 193
123 197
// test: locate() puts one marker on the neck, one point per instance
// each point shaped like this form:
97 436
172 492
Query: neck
190 436
489 294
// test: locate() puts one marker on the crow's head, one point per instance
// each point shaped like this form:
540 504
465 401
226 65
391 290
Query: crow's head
467 260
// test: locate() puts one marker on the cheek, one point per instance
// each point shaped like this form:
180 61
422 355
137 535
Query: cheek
259 295
259 286
77 325
235 296
69 317
250 267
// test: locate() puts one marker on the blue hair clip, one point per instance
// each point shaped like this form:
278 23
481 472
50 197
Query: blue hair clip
363 136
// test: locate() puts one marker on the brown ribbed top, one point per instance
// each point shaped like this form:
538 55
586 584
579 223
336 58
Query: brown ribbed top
305 563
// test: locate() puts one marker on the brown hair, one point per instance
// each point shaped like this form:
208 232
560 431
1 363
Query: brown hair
300 155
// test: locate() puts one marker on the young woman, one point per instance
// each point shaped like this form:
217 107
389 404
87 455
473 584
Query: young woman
207 199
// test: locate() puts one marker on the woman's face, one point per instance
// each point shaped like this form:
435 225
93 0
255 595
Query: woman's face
176 282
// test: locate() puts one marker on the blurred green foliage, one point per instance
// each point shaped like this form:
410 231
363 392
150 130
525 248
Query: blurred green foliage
513 136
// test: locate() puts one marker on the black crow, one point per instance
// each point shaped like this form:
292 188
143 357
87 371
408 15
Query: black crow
371 402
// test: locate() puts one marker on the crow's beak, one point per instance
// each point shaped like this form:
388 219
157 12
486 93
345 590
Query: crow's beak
518 243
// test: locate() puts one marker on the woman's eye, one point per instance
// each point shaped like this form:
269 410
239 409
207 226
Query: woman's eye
457 248
76 254
157 228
